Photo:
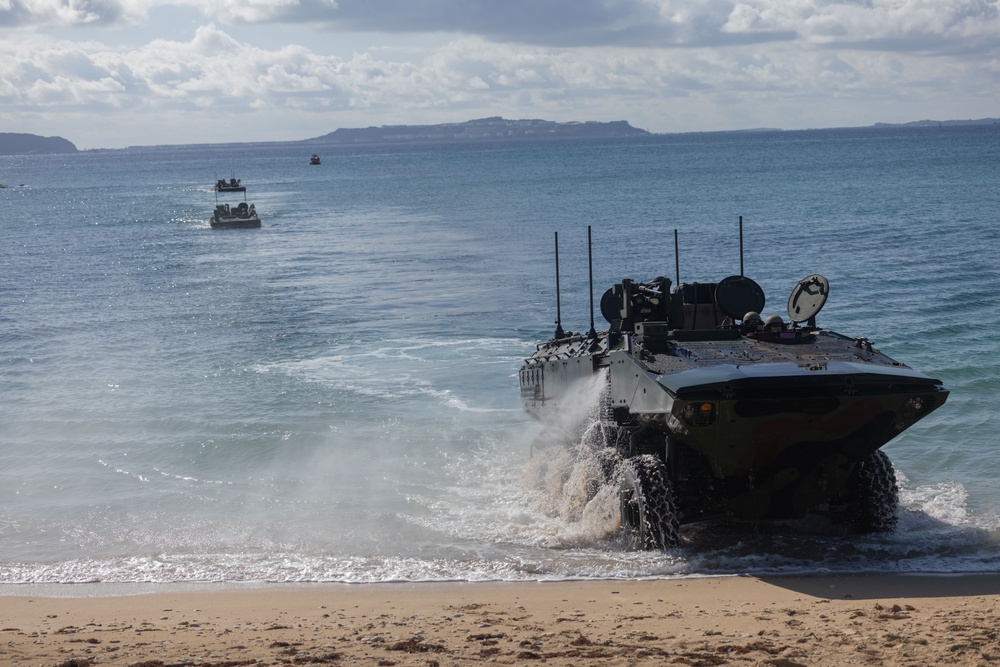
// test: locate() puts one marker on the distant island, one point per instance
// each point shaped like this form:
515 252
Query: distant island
28 144
941 123
481 130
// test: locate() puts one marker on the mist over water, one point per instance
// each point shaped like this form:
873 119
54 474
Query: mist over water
334 397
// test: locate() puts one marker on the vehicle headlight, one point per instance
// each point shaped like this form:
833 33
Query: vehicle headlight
698 414
914 406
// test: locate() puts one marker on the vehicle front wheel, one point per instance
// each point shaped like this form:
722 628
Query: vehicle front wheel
647 502
873 505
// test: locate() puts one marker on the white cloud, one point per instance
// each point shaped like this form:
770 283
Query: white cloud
61 12
565 23
666 65
265 11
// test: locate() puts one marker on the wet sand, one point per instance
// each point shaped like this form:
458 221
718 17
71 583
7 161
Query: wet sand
779 622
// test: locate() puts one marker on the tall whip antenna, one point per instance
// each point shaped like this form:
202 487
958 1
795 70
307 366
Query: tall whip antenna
590 268
559 330
741 246
677 259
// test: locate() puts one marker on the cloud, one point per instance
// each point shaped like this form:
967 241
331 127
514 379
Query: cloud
268 11
666 65
61 12
216 70
574 23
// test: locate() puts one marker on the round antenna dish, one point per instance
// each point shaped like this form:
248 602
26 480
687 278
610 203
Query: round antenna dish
738 295
808 298
611 306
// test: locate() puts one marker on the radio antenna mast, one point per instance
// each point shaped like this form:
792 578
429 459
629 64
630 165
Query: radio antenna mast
741 246
559 330
590 269
677 259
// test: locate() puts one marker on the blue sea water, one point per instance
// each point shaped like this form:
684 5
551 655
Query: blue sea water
333 397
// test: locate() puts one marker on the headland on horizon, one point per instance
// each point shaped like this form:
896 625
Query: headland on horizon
482 130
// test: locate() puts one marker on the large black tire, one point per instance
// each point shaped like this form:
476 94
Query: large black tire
647 503
873 494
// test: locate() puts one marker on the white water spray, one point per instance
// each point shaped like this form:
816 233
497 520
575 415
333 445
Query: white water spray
568 478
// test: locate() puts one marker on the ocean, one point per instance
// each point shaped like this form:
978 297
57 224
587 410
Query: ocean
333 397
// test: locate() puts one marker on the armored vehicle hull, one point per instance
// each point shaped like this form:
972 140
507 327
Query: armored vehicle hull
707 413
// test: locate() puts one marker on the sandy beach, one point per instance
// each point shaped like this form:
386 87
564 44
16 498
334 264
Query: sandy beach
782 622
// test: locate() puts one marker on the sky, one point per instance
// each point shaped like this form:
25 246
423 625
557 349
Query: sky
116 73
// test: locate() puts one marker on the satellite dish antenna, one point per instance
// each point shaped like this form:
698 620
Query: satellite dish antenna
808 298
739 295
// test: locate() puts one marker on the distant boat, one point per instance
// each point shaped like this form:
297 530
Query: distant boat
232 185
314 159
239 217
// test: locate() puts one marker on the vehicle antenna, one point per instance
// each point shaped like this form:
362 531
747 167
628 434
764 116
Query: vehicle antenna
590 269
677 259
559 330
741 246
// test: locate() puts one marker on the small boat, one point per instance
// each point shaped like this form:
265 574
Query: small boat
314 159
242 216
232 185
237 216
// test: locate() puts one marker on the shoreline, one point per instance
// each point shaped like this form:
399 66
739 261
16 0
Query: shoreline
781 621
933 584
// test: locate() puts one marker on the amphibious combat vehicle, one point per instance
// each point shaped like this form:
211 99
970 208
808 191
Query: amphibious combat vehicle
708 410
